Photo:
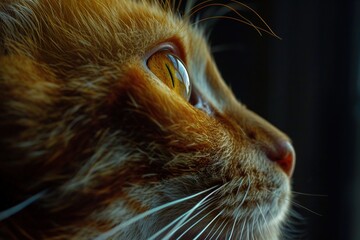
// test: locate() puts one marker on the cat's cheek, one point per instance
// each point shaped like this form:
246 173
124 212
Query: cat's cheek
145 96
268 213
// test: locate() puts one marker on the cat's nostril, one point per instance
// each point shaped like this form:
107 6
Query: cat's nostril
284 156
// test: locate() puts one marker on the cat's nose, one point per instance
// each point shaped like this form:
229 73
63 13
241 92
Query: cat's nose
283 154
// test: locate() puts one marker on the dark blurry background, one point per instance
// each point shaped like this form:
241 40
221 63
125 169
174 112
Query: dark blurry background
308 85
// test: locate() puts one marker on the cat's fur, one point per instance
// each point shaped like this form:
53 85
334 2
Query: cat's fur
85 123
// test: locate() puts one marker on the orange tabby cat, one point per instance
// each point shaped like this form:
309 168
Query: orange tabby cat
115 123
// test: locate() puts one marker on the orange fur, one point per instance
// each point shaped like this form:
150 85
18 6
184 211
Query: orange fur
83 118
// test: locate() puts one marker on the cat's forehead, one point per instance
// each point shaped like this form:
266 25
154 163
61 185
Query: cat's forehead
107 29
77 36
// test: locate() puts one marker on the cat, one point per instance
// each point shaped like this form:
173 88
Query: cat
116 124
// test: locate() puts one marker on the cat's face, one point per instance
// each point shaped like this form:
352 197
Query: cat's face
116 113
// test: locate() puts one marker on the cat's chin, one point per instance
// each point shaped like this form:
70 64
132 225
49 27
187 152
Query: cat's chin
241 231
268 201
232 209
263 221
255 227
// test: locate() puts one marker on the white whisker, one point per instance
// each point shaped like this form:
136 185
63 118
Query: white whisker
263 216
217 229
242 202
209 224
295 203
179 218
237 214
125 224
17 208
233 226
221 230
248 233
242 229
195 215
180 223
211 230
254 222
246 193
309 194
301 206
194 224
167 226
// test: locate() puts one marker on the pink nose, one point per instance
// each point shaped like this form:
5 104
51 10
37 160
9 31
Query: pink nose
284 155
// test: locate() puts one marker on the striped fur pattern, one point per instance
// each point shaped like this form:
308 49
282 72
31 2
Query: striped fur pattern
114 153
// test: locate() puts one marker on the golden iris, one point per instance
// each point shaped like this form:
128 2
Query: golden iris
171 71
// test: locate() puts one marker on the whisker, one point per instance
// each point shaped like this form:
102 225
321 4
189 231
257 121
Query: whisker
261 19
194 216
211 230
231 9
252 228
205 4
247 192
309 194
221 230
242 229
233 226
237 20
177 219
167 226
253 221
237 214
194 224
178 225
188 8
303 207
263 216
209 224
17 208
218 228
125 224
178 5
295 203
302 193
192 9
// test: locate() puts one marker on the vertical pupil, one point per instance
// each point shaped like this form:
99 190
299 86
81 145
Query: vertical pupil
180 72
170 73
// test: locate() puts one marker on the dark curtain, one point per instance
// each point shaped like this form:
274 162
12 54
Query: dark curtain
307 84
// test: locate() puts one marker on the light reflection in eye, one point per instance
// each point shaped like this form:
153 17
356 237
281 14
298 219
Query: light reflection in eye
171 71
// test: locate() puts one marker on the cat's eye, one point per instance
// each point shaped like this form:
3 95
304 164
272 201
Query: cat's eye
171 71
